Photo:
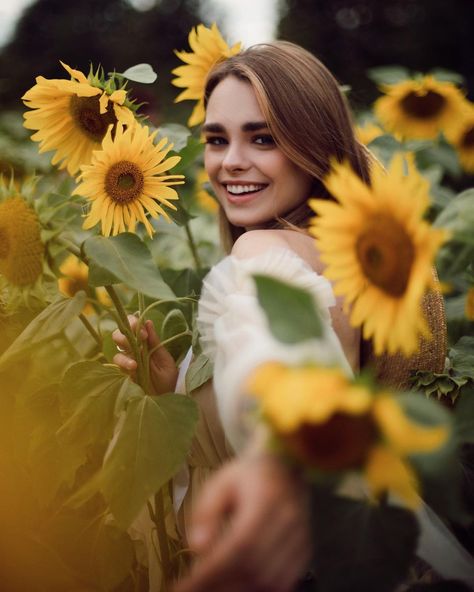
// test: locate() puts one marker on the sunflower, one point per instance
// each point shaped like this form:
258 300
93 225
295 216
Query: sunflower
72 117
332 424
124 181
368 132
208 48
419 108
75 277
23 264
204 198
469 306
379 251
462 138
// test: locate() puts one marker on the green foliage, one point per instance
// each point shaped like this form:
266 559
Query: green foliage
143 73
388 74
290 311
199 372
361 546
151 443
124 258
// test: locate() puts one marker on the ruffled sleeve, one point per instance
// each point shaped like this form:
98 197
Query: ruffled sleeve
235 333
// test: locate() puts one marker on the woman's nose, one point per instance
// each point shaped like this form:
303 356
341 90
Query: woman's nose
235 158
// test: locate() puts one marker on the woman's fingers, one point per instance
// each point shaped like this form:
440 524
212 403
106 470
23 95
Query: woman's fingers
125 362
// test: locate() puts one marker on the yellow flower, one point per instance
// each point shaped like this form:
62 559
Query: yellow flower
125 181
72 117
469 307
329 423
76 278
208 48
461 137
368 132
379 251
204 198
419 108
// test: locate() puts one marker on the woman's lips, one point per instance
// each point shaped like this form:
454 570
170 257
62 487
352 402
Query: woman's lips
240 193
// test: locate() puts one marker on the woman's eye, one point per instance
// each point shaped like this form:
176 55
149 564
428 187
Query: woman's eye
265 140
215 140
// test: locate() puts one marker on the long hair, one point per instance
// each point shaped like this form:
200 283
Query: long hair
307 115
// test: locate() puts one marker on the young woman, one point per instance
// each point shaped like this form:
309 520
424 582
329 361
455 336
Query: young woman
275 117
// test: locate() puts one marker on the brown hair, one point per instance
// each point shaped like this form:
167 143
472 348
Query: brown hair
307 114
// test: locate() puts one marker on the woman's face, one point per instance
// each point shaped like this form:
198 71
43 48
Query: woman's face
252 178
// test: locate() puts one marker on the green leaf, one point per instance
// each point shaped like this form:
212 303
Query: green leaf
143 73
180 216
447 76
126 258
388 74
199 372
185 282
464 415
95 548
43 328
174 324
361 546
150 447
189 154
177 134
91 398
462 356
290 311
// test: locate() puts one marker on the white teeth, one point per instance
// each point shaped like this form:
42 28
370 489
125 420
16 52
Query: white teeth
238 189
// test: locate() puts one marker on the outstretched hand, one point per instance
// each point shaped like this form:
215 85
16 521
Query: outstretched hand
163 370
250 529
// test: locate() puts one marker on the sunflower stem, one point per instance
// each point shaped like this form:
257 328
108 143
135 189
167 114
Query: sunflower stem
72 248
124 326
158 517
91 330
192 246
144 357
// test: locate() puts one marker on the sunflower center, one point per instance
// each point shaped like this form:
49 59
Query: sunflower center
124 182
343 442
468 138
4 243
423 105
386 254
87 116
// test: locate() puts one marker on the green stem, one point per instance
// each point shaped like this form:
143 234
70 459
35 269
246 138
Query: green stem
167 341
72 248
158 517
160 302
144 358
192 246
124 326
91 330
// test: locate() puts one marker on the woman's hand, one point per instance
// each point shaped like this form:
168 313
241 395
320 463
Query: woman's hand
163 370
250 529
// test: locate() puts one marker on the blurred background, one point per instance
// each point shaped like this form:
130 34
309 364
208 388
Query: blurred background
349 36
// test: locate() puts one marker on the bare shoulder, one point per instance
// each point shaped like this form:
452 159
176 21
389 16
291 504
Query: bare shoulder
255 242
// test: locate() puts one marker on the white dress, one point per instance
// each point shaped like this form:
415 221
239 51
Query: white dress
236 336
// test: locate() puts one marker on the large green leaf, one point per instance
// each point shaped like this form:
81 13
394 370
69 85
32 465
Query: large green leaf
177 134
150 447
361 546
95 548
91 398
388 74
199 372
464 415
127 259
291 311
174 324
462 356
43 328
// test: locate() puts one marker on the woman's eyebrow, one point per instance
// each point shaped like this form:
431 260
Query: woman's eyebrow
250 126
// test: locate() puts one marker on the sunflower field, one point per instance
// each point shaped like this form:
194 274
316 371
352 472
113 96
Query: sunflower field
103 216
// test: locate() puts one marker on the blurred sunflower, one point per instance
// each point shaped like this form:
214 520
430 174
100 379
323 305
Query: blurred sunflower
204 198
461 137
379 251
124 181
208 48
23 266
368 132
332 424
75 277
469 306
72 117
419 108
